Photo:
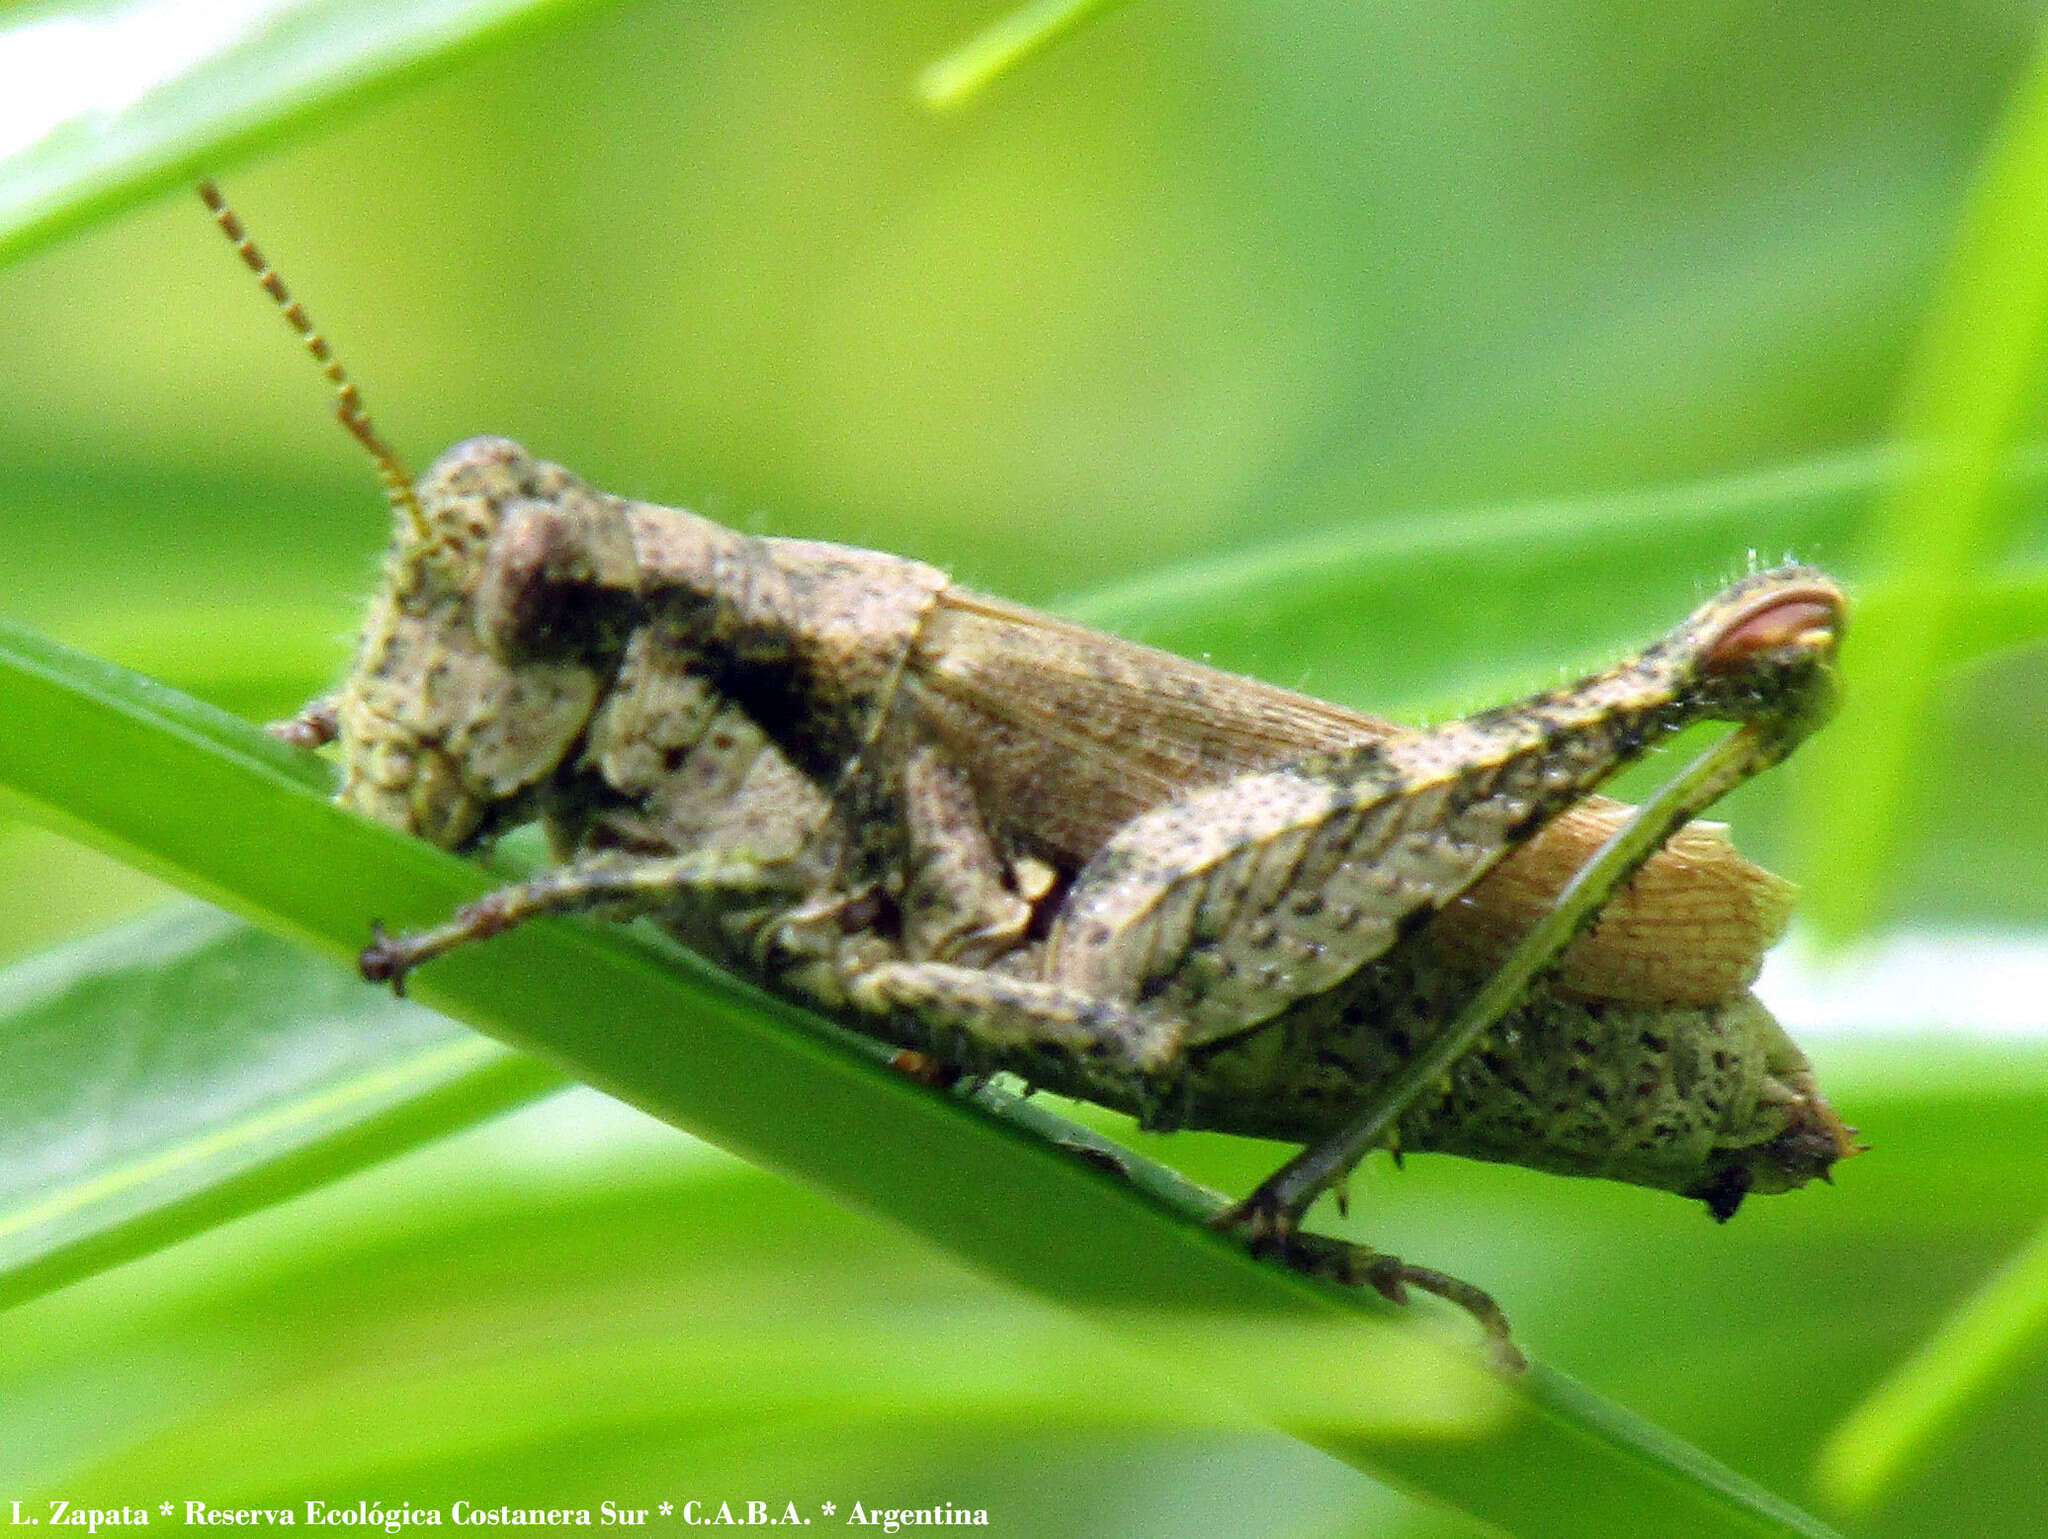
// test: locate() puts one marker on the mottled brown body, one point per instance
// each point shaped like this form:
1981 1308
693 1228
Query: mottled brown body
823 766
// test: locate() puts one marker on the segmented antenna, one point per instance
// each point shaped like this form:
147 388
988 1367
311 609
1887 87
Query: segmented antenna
348 401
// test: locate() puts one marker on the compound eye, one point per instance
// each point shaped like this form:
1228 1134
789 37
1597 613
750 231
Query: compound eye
1804 620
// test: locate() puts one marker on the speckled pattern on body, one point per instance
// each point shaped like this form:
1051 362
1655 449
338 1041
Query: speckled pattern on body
1013 843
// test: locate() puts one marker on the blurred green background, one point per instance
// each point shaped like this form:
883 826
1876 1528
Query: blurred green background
1571 307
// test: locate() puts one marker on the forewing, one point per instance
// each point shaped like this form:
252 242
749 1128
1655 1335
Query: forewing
1071 733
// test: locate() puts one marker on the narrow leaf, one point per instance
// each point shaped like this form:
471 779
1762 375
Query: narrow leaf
1946 524
104 101
999 48
175 1072
1989 1340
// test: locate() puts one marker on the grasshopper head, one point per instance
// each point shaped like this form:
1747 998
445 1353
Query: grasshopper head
443 736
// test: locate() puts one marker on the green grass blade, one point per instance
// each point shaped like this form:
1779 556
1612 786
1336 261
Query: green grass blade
1991 1339
184 1069
1000 47
212 803
107 101
1947 523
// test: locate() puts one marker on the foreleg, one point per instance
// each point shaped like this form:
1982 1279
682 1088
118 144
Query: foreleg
630 885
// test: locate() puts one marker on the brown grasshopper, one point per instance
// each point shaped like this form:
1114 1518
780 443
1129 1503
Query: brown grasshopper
1011 843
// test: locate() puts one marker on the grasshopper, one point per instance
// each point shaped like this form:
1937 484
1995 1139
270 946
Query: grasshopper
1009 843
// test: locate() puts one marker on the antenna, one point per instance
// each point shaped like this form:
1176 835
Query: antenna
348 401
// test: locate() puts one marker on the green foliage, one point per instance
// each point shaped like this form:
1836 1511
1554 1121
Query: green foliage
265 1072
1408 356
1949 520
107 102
